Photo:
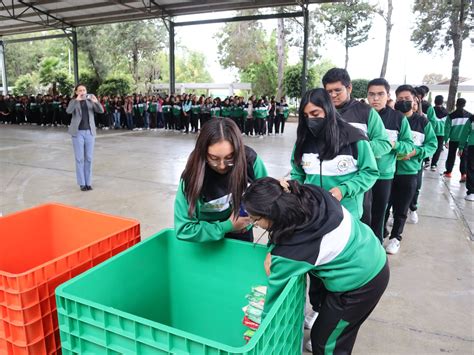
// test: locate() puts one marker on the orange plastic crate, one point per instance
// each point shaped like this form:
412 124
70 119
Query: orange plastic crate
40 248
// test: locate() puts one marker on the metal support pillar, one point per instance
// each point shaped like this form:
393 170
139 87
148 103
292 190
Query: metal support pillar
304 73
172 59
3 68
76 56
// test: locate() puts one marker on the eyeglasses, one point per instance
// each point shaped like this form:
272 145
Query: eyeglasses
335 92
216 162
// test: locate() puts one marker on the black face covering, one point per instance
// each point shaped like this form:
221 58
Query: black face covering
403 106
315 126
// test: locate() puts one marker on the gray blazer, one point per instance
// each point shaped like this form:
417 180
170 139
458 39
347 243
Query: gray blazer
74 107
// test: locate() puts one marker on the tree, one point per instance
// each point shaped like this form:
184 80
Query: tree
350 21
191 68
26 84
47 73
240 44
65 82
441 25
388 29
281 46
359 88
138 40
292 80
90 80
433 78
116 85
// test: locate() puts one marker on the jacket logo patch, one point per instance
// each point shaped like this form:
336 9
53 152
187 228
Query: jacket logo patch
344 164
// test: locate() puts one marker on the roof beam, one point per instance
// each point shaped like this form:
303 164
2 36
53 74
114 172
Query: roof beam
241 18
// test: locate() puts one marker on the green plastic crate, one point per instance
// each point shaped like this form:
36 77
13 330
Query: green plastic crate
165 296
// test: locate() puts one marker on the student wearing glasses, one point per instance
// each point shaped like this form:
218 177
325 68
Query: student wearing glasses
207 203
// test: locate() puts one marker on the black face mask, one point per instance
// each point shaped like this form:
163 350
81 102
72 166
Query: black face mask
403 106
315 126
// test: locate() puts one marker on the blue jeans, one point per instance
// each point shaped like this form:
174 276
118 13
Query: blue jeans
146 118
83 144
117 119
129 120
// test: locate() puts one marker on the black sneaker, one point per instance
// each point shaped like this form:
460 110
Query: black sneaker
89 188
83 188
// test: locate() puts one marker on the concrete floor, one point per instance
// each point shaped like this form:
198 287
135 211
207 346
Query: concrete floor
429 305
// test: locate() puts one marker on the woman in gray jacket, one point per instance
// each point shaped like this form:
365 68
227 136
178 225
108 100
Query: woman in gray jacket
82 129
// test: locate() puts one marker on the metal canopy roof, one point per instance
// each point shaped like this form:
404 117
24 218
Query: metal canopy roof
17 16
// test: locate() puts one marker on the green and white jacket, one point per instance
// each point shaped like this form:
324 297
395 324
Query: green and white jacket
354 171
334 246
210 221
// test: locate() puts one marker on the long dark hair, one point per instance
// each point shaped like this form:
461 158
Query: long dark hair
332 138
285 209
215 131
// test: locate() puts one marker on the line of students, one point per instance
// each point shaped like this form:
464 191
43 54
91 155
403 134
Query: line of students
253 117
343 149
185 113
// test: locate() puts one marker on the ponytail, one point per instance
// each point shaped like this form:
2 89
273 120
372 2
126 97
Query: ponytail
287 205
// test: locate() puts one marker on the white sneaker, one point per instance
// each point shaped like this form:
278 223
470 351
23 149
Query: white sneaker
412 217
308 346
310 318
469 197
390 221
393 246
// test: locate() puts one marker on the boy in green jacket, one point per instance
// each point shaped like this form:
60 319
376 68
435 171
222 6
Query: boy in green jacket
452 133
467 141
409 166
400 135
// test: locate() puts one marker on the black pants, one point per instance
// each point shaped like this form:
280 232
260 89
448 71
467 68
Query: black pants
249 123
453 147
414 201
259 126
367 208
278 120
185 118
270 122
403 190
194 122
380 197
434 160
470 169
153 122
342 314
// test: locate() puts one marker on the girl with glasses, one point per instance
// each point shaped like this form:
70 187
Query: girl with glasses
218 170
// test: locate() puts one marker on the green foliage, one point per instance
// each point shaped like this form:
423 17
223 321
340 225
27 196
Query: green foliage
359 88
51 73
90 80
26 84
116 85
349 21
263 74
292 78
436 23
65 82
240 44
47 70
191 68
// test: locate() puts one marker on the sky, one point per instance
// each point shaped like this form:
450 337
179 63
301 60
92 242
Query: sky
365 60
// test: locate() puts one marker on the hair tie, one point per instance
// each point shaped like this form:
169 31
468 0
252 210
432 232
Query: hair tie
285 185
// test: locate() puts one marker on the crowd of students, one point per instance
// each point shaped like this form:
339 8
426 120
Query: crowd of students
185 113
